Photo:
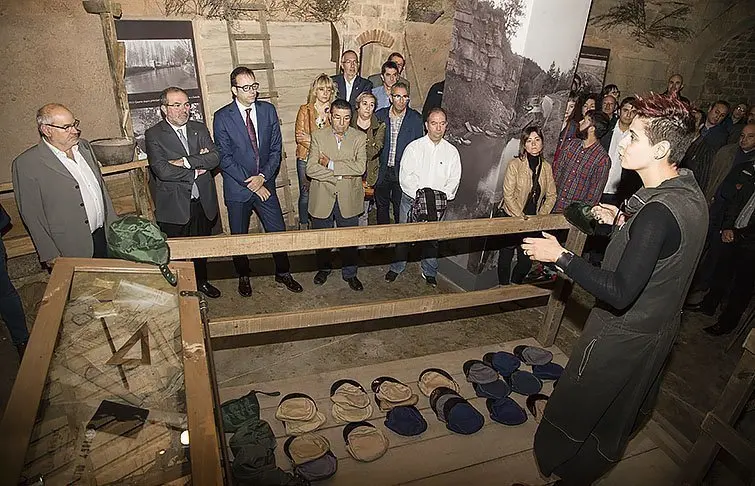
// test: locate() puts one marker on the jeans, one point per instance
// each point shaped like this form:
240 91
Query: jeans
349 255
429 264
388 192
11 309
364 218
301 172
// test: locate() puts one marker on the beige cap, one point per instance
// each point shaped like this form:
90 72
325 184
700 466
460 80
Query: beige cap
344 414
385 405
350 395
364 442
298 427
306 448
394 392
296 406
433 378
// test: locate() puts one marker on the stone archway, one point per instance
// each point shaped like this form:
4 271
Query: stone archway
373 47
375 36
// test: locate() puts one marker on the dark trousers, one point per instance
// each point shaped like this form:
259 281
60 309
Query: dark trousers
198 225
11 309
388 192
271 217
99 242
735 271
349 255
511 245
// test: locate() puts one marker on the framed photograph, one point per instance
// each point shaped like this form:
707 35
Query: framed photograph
159 54
591 70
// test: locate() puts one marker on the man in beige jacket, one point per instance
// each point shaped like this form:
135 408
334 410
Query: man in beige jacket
337 159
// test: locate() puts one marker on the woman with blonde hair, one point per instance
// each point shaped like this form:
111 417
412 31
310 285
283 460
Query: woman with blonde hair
528 190
311 116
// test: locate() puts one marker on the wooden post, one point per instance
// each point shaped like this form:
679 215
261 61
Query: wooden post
142 199
560 294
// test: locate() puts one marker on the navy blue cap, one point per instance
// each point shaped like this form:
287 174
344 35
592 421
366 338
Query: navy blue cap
497 389
462 417
506 411
525 383
503 362
405 420
550 371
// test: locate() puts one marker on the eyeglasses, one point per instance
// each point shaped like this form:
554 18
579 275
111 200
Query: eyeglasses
350 61
179 105
249 87
398 97
75 124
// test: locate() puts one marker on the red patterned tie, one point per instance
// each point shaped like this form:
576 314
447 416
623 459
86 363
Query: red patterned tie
252 137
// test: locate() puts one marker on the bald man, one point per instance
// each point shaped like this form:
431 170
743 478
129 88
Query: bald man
59 190
674 87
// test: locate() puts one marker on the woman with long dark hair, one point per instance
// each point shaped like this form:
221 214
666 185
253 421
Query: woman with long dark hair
570 127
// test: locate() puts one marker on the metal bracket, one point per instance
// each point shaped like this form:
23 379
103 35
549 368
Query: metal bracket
203 307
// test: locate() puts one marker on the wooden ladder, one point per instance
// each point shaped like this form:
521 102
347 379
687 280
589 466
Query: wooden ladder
268 67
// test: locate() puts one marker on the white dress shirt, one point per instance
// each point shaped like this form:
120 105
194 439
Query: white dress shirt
427 164
89 186
614 174
349 87
182 131
252 115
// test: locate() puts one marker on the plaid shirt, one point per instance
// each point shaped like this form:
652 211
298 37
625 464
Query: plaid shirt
396 122
580 173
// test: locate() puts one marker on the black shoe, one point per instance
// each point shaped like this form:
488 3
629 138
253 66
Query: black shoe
717 330
391 276
430 280
245 287
209 290
536 405
355 284
321 277
289 282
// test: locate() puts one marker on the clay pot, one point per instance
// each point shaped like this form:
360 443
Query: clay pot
113 151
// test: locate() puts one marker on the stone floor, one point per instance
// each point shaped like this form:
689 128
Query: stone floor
699 367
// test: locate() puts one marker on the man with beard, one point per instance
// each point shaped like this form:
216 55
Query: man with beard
582 167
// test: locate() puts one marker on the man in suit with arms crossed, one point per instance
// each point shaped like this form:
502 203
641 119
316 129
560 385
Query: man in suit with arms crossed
181 155
248 137
349 83
337 160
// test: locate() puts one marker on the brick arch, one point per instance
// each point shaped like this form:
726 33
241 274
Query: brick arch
375 35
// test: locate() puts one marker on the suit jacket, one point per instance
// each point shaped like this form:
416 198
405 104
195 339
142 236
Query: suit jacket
411 129
171 185
361 85
237 161
50 204
344 182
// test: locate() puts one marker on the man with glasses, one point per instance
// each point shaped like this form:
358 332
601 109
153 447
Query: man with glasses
349 83
621 183
403 126
181 157
59 190
398 59
248 137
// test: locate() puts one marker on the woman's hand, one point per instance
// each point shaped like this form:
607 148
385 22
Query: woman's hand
303 137
605 213
546 249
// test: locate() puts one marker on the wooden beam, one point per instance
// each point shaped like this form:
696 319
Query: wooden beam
115 169
729 439
344 314
560 295
255 244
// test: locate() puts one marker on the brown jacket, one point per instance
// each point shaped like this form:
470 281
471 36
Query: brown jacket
517 184
305 122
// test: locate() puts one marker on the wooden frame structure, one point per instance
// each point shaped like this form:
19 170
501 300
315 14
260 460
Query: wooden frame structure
20 414
232 328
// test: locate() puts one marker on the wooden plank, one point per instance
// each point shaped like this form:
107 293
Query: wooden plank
116 169
729 439
203 437
227 245
651 468
20 413
560 295
364 312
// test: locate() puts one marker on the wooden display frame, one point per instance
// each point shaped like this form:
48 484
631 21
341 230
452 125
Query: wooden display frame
20 414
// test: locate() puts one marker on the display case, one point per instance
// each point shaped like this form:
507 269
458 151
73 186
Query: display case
116 384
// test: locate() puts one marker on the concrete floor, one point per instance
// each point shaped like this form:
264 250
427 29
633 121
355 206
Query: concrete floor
697 372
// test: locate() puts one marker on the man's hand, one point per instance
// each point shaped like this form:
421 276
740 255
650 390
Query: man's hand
254 182
177 162
199 172
727 236
605 213
546 249
324 160
203 151
263 193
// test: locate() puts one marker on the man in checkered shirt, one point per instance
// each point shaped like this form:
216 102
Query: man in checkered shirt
582 167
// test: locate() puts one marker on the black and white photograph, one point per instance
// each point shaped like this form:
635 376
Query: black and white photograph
591 70
511 66
144 117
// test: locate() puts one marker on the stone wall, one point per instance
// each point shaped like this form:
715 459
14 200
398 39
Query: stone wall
730 75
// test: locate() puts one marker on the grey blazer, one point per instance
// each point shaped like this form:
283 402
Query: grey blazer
50 203
171 185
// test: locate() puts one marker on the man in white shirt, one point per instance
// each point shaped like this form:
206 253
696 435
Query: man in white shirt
349 83
612 194
59 190
428 162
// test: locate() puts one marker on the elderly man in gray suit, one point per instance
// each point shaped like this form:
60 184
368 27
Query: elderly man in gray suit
59 190
181 155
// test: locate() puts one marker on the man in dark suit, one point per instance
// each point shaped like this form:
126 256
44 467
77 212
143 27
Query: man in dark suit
11 308
248 137
59 190
181 155
349 83
403 126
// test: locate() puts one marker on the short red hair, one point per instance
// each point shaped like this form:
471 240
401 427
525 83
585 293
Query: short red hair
667 118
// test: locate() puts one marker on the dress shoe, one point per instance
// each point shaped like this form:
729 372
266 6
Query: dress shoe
391 276
321 277
289 282
430 280
355 284
209 290
717 330
245 287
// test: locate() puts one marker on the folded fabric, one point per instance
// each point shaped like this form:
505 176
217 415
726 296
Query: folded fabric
298 427
385 405
432 378
345 414
506 411
349 393
319 469
497 389
580 215
407 421
462 417
524 383
503 362
438 398
252 433
364 441
390 389
305 448
477 371
239 410
299 414
532 355
550 371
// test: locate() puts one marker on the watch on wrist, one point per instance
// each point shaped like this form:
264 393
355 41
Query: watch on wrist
564 260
